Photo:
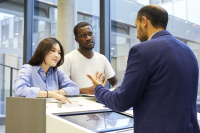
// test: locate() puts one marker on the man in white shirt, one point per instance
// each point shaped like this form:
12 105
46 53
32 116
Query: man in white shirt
84 60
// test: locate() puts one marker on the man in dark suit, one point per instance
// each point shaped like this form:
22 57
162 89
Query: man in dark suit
161 79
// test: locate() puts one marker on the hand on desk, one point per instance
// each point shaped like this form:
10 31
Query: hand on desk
88 90
58 97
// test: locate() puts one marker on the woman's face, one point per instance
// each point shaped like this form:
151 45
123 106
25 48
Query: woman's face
54 56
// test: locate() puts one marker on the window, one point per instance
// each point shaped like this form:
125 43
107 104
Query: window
182 24
154 1
165 1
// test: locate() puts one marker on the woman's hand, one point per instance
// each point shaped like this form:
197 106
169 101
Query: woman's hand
57 96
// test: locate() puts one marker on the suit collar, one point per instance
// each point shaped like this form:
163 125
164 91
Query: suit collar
160 33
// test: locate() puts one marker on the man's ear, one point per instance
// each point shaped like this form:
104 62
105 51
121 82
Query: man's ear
76 39
144 22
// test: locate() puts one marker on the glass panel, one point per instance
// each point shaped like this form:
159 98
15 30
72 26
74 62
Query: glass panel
165 1
100 121
41 30
183 24
154 1
41 9
88 11
45 21
49 1
11 46
123 33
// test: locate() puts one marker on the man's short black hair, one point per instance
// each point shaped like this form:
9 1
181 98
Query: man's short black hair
80 25
157 16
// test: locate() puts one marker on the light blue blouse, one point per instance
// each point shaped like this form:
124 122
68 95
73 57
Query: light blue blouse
32 79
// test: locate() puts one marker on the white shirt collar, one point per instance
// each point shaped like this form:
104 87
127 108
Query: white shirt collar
151 36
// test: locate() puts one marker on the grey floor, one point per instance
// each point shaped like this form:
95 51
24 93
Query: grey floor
2 128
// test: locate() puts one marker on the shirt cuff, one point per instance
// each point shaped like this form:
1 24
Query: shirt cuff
97 88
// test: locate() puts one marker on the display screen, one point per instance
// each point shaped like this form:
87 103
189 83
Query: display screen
103 121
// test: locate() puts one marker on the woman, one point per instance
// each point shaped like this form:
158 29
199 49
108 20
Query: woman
41 77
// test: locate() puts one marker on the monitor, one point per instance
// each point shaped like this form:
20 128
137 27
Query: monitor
100 121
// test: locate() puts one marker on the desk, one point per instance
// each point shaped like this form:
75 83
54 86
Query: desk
55 124
38 115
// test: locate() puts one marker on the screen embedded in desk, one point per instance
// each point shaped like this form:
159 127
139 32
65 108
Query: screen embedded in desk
100 121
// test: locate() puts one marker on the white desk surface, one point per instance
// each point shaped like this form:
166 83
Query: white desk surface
79 104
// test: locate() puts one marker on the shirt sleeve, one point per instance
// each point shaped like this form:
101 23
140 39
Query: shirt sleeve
22 85
109 72
66 84
66 66
132 87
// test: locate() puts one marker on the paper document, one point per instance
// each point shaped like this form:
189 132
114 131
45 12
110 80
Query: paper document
76 106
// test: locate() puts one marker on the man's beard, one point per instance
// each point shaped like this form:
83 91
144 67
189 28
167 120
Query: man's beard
86 47
143 36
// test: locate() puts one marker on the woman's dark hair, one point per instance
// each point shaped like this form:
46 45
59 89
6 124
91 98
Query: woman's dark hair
157 16
43 49
80 25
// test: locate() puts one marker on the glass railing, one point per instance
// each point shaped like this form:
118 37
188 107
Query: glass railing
11 76
7 76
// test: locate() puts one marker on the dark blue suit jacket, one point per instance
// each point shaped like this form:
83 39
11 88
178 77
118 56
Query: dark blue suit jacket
160 83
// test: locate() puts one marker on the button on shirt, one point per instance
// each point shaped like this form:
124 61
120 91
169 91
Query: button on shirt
32 79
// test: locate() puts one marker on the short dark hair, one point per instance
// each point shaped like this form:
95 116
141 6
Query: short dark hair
157 16
80 25
43 49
